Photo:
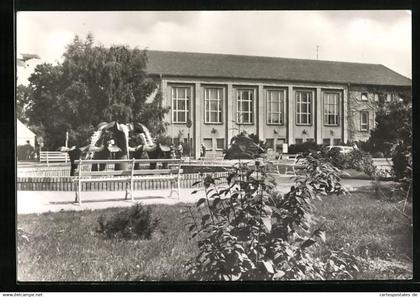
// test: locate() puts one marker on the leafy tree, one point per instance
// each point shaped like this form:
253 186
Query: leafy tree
393 136
23 96
93 84
393 123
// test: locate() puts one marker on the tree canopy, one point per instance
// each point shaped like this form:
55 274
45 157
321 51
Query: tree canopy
93 84
393 136
393 126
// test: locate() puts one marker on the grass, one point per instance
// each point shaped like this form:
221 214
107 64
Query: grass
371 229
65 246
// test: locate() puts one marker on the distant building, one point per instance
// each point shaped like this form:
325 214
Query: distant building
281 100
23 134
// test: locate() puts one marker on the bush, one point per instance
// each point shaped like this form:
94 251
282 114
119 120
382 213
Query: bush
25 152
133 223
378 155
402 159
361 161
305 147
200 169
356 159
335 157
248 231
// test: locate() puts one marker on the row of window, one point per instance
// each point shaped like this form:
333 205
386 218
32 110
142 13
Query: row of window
208 143
275 100
364 96
280 141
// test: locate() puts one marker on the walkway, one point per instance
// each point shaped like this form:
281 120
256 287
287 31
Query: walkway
40 202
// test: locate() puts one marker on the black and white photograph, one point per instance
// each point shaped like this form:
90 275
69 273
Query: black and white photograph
229 145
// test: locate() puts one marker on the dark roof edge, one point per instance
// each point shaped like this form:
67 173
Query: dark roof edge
269 57
280 80
397 73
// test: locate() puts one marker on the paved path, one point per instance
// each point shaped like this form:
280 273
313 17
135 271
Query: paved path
39 201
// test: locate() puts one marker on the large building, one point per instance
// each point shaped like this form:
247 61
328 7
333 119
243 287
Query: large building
280 100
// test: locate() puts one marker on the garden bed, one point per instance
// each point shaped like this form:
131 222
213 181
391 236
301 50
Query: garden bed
65 246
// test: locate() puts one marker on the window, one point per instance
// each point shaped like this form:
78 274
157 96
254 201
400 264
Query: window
281 141
337 141
208 143
220 143
388 97
245 107
303 107
299 140
376 96
364 96
326 141
180 104
331 109
275 106
310 140
269 143
213 98
364 120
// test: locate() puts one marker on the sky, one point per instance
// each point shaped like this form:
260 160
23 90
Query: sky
379 37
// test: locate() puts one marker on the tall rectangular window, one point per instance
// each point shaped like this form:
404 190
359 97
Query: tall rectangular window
208 143
303 107
245 106
275 106
180 104
220 143
269 142
364 120
331 108
213 98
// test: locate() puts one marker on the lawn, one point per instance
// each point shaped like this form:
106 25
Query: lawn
66 246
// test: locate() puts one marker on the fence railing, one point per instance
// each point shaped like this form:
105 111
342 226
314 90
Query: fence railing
57 169
67 184
53 157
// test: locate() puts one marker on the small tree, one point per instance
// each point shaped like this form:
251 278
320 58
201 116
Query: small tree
393 124
248 231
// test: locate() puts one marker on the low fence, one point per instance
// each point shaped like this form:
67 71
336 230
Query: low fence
53 170
67 184
53 157
57 177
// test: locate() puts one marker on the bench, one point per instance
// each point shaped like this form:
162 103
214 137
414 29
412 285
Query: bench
53 157
129 176
290 162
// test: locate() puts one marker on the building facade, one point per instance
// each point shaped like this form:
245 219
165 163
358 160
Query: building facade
283 101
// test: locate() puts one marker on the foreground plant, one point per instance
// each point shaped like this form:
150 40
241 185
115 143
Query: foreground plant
135 222
249 231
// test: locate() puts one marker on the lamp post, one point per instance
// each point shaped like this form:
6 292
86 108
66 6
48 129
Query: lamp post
331 137
189 124
67 139
275 132
304 134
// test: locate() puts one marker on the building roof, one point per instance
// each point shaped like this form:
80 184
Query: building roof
22 130
271 68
